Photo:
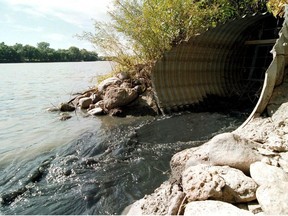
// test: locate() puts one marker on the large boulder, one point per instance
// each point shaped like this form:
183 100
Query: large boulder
224 149
118 97
222 183
263 173
211 207
273 198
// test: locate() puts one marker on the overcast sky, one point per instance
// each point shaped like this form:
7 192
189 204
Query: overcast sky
52 21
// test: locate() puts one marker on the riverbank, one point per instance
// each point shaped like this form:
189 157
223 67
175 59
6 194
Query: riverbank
233 172
243 172
120 95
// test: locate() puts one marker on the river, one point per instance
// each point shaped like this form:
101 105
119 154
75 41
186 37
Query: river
85 165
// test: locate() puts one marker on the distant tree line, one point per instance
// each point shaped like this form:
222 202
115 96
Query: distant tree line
43 53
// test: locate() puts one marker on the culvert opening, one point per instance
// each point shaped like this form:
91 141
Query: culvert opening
222 69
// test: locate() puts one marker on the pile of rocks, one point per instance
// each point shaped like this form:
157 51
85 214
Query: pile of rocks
117 96
243 173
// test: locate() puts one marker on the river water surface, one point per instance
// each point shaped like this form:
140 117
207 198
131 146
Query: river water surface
85 165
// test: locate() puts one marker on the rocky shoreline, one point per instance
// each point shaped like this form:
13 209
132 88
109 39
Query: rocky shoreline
243 172
238 173
120 95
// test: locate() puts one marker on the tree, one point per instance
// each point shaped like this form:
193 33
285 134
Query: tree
43 53
142 30
30 53
277 7
74 54
8 54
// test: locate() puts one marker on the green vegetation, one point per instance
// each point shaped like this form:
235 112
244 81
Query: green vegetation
43 53
142 30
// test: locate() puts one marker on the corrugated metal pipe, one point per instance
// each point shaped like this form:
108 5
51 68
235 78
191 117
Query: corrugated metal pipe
242 60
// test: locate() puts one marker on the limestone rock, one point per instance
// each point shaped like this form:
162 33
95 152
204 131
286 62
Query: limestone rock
226 149
218 182
211 207
283 161
166 200
107 82
85 102
117 97
200 183
64 107
273 198
238 187
263 173
276 143
254 207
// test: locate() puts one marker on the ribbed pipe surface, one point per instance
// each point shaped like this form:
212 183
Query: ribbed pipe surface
223 62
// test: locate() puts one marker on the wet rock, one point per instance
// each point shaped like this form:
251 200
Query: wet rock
96 111
166 200
273 198
64 107
210 207
118 97
263 173
65 116
116 112
107 82
218 182
225 149
53 109
85 102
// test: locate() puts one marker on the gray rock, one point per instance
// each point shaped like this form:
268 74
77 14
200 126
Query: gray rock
107 82
64 107
211 207
118 97
226 149
218 182
273 198
85 102
263 173
96 111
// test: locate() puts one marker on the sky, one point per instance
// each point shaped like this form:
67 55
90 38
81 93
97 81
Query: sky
53 21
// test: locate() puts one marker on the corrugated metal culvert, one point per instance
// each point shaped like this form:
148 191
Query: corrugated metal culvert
232 61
